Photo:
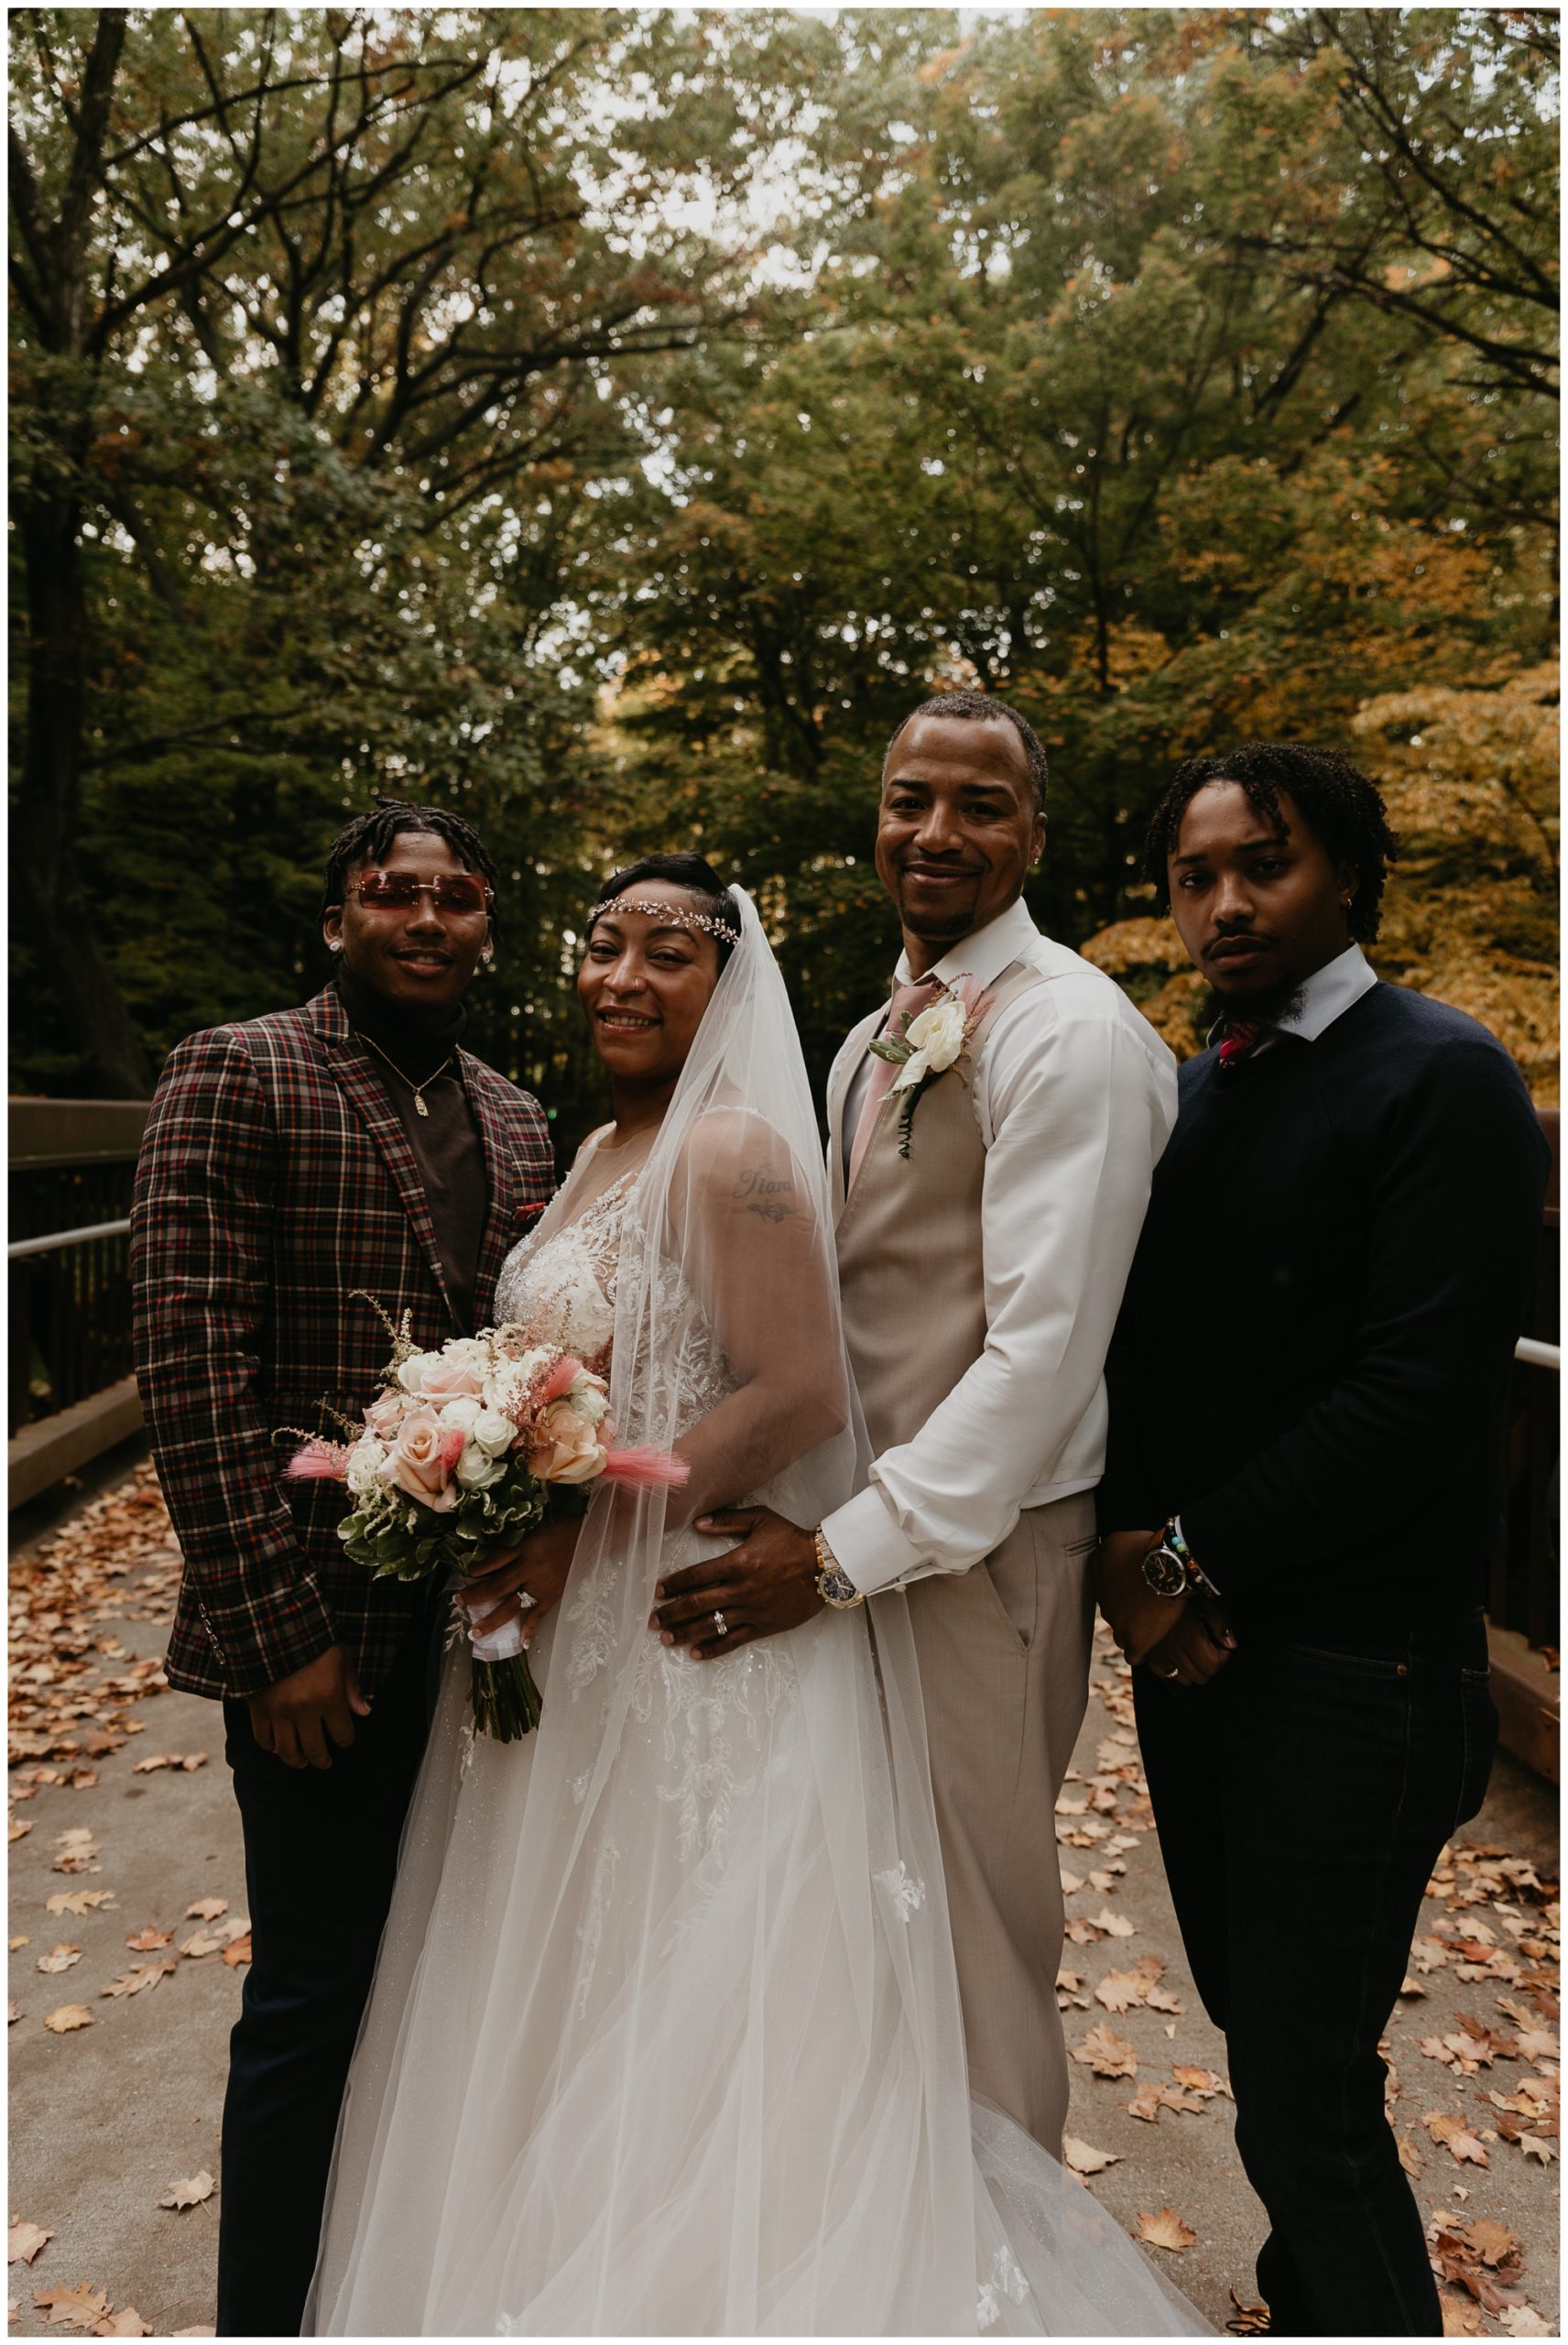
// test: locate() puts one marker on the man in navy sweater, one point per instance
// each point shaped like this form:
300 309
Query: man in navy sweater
1307 1388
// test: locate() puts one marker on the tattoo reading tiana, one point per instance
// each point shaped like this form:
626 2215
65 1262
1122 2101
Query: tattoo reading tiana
763 1193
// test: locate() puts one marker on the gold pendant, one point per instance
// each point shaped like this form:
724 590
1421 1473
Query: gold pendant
420 1105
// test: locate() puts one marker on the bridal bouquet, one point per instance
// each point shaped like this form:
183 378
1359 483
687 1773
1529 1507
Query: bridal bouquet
460 1454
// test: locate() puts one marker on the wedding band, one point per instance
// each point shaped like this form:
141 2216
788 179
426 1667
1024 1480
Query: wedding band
721 1625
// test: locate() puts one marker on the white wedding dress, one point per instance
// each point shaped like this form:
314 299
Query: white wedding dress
665 2035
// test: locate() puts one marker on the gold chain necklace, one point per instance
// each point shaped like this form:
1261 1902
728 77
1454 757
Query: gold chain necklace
417 1088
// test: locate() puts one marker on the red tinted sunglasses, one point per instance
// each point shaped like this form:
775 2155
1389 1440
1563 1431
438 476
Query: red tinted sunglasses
399 891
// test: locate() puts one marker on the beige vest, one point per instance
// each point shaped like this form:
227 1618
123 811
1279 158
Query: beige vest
909 1250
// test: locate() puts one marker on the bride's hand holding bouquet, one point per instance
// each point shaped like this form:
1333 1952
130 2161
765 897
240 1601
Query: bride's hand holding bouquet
466 1454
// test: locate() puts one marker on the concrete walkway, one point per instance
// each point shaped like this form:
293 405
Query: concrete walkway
107 2117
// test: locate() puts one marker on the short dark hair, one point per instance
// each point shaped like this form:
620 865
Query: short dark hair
985 708
369 837
700 880
1342 808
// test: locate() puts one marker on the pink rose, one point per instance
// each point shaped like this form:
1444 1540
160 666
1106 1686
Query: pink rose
421 1459
384 1413
450 1379
566 1447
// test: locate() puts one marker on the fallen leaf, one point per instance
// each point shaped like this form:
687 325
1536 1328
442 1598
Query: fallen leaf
68 2019
1114 1925
1120 1990
17 1942
201 2186
1460 2317
15 2013
1081 2159
24 2241
1070 1882
126 2323
1165 2230
237 1953
149 1941
202 1942
1523 2320
195 2332
76 2308
1534 2148
206 1909
1411 2157
78 1900
1492 2242
141 1976
155 1760
1451 2132
16 1832
77 1849
1208 2081
1106 2055
60 1958
1250 2319
1411 1986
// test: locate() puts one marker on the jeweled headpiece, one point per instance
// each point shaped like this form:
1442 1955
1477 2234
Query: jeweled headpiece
669 915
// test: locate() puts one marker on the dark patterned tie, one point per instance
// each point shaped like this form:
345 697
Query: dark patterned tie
1238 1039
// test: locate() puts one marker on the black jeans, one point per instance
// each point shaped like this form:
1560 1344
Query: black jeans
320 1856
1302 1798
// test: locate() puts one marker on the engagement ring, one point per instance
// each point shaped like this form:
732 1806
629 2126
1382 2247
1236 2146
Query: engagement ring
721 1625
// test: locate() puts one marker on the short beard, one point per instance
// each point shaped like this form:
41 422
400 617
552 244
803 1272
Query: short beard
1268 1006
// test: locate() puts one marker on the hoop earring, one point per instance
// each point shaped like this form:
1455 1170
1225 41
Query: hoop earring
334 944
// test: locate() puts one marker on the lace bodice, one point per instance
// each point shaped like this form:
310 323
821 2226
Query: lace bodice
562 1287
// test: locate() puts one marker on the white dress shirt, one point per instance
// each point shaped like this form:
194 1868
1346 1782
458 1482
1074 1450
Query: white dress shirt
1075 1094
1327 995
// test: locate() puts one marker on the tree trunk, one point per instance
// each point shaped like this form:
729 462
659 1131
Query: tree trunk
50 905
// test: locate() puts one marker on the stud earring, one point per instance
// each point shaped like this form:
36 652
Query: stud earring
333 946
487 956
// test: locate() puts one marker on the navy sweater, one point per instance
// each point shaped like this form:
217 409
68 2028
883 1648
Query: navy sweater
1312 1358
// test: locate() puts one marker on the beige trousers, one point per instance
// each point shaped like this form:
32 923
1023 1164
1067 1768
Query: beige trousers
1003 1655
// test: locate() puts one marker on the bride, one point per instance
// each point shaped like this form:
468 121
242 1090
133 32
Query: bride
665 2035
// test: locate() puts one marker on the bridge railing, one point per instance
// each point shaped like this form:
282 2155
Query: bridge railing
71 1164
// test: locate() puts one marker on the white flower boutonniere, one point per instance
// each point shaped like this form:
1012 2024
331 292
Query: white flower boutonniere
926 1045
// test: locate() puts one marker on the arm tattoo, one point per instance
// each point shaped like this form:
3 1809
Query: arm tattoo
761 1192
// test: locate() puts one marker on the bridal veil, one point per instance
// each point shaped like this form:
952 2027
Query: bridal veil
664 2037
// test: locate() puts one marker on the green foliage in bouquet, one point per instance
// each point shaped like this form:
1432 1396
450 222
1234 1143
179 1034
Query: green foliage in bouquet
379 1535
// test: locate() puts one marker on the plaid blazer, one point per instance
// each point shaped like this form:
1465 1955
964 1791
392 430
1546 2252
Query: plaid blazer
273 1179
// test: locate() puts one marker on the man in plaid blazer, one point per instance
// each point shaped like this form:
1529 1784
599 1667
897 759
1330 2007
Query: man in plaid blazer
288 1160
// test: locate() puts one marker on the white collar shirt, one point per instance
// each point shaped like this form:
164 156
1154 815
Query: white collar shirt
1074 1095
1327 994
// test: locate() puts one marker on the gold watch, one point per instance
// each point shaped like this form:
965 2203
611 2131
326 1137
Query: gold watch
834 1583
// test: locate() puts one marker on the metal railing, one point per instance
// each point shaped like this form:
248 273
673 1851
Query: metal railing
71 1167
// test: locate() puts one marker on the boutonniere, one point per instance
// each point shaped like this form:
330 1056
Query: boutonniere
929 1042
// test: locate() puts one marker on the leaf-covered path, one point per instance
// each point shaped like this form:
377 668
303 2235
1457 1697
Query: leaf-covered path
127 1933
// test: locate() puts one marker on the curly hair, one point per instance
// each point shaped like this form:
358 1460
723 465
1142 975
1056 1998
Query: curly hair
369 837
1341 807
985 708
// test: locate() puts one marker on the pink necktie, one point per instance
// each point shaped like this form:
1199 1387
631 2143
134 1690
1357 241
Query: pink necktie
911 999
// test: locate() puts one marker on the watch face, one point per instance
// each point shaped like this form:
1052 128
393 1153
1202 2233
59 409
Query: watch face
1164 1573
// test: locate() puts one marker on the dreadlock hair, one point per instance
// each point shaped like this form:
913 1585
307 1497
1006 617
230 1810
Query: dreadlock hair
985 708
700 881
368 838
1342 808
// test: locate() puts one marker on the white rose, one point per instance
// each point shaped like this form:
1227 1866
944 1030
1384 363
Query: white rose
461 1414
493 1432
936 1037
411 1371
476 1469
364 1461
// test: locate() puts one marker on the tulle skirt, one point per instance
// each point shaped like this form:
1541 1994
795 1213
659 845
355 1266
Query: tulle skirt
665 2035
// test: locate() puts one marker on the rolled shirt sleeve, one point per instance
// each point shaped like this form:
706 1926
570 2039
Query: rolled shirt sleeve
1075 1104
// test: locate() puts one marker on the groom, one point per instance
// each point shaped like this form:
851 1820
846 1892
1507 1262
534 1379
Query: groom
984 1240
287 1162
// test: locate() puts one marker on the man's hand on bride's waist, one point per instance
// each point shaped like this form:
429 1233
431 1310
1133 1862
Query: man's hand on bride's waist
766 1584
537 1571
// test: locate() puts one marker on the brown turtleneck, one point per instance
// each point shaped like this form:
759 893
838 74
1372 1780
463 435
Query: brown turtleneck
445 1140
